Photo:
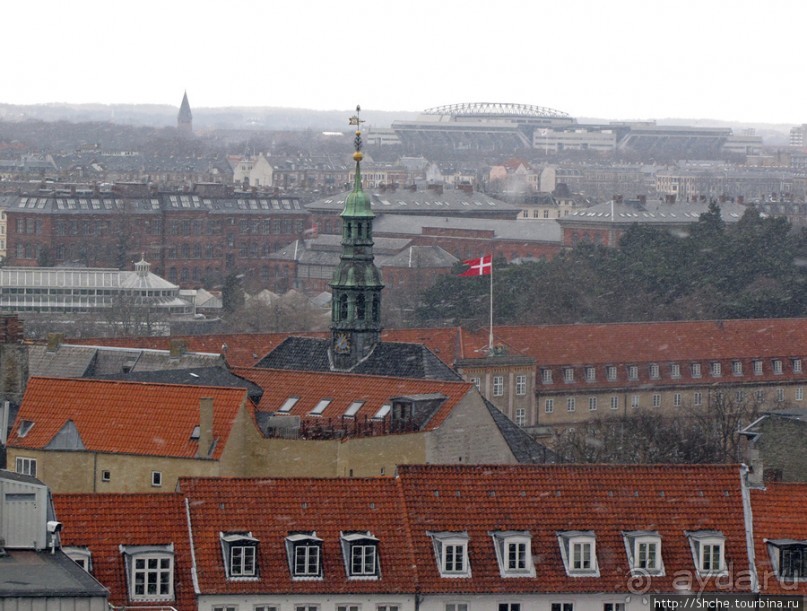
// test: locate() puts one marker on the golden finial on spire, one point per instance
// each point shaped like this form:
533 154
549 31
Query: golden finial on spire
355 120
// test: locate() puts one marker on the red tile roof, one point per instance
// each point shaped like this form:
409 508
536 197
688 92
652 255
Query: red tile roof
273 508
547 499
343 389
124 417
648 341
102 522
778 514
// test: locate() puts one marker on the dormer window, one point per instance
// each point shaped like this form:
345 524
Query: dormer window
360 552
696 370
514 553
451 552
644 552
777 366
579 552
304 552
149 571
568 374
708 551
240 552
25 427
789 558
80 555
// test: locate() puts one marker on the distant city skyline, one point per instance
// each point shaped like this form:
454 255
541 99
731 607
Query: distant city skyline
622 60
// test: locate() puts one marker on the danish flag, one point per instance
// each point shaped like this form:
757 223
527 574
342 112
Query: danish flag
483 266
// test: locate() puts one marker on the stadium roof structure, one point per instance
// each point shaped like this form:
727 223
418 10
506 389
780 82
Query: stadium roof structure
496 109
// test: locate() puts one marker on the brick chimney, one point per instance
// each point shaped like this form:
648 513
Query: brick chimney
178 348
54 341
205 427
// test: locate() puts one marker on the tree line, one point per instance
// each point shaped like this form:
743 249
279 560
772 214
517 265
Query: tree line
754 268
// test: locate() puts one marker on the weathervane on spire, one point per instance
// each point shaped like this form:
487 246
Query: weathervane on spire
355 120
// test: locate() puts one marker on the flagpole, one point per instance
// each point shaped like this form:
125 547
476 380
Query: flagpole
490 336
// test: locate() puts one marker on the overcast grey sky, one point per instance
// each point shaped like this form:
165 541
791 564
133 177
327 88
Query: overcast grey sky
734 60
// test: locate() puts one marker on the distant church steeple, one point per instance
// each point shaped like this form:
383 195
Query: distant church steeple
356 286
185 118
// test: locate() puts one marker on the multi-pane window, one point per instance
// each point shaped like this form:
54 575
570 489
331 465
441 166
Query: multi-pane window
591 374
799 393
451 552
708 549
546 376
521 385
610 372
517 556
521 416
498 386
737 368
306 607
780 394
387 608
363 559
568 374
152 577
242 560
711 554
759 395
26 466
549 405
634 401
757 368
306 560
348 607
454 558
225 607
613 607
614 402
675 370
697 398
476 382
796 363
509 606
265 608
633 372
696 370
740 396
647 555
777 366
562 607
592 404
654 371
456 606
716 369
677 399
793 562
570 404
581 556
656 400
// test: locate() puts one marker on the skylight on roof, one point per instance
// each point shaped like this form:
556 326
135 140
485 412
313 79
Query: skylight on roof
25 427
320 407
353 409
382 412
289 403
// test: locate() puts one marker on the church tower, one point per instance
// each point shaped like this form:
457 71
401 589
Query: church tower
185 118
356 286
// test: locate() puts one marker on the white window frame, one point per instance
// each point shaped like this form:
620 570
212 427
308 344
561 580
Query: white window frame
591 374
796 365
696 370
476 382
633 372
446 545
549 405
366 545
635 541
610 372
737 368
82 556
521 416
568 375
703 545
675 370
799 395
592 404
521 385
697 398
498 386
614 401
776 549
236 565
572 542
561 606
655 371
546 376
635 401
456 606
135 557
757 364
656 400
571 404
156 479
25 465
716 369
677 399
780 395
304 543
513 546
777 367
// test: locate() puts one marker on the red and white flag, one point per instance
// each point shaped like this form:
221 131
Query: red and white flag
483 266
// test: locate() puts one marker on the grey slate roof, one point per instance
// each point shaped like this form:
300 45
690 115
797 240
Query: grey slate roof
41 575
387 359
527 231
653 211
522 445
191 376
419 257
404 201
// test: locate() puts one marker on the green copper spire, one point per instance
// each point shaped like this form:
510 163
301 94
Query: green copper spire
357 203
356 285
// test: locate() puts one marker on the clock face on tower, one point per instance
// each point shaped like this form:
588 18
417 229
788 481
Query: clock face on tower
341 343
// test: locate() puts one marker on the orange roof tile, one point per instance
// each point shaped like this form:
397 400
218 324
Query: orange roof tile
343 389
124 417
102 522
273 508
778 514
547 499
